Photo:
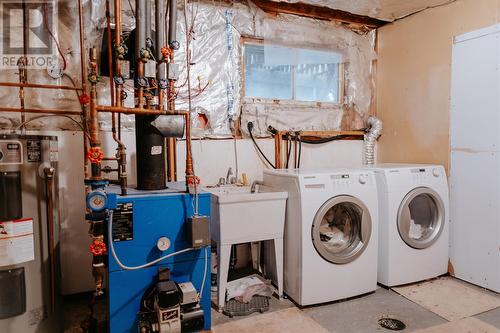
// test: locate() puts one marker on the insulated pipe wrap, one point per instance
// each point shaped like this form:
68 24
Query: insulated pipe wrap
172 21
140 30
375 129
160 37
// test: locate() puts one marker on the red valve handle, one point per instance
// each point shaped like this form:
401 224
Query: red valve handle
97 248
95 155
166 52
191 180
84 99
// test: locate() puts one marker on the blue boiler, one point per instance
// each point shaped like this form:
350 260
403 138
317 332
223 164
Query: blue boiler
140 220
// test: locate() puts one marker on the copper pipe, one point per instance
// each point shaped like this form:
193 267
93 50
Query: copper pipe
85 141
121 155
94 125
287 156
83 73
118 31
110 54
22 80
82 47
48 111
189 157
125 110
173 156
160 99
49 181
295 152
171 93
23 73
140 73
36 85
277 150
118 71
118 96
111 76
96 172
171 143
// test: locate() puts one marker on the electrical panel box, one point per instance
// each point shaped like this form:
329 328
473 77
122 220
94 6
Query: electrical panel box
199 231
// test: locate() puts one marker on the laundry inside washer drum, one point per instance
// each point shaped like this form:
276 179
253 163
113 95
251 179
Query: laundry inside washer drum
340 227
424 216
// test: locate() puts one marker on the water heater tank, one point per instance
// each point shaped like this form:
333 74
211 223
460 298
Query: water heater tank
29 235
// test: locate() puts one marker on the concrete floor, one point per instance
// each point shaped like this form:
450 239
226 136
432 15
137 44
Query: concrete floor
359 314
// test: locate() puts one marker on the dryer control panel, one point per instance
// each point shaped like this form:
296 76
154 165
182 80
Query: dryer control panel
423 174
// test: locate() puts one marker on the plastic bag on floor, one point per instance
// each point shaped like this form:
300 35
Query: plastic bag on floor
245 288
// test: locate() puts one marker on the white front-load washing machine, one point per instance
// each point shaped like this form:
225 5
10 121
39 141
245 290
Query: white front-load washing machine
331 233
413 222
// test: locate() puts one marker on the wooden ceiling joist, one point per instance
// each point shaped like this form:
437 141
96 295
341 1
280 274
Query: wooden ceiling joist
318 12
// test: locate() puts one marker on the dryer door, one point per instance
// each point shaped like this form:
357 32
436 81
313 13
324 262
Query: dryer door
421 218
341 229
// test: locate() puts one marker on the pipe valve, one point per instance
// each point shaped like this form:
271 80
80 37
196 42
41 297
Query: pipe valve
95 155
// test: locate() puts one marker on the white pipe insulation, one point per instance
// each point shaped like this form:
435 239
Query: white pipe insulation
375 129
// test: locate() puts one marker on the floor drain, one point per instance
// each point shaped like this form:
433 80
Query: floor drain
392 324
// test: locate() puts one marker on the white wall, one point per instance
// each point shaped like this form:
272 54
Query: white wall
212 159
414 76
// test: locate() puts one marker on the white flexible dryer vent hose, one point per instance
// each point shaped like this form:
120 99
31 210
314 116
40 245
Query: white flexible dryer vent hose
375 129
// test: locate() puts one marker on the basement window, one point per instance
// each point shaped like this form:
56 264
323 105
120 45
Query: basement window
297 74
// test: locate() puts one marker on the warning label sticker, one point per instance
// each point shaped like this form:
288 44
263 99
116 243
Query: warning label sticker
16 242
156 150
34 150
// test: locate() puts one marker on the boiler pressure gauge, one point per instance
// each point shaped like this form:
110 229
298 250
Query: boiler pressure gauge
97 200
163 244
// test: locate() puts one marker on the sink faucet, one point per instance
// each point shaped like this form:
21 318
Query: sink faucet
254 185
228 175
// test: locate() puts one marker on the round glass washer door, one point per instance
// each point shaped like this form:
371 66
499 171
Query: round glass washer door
341 229
421 218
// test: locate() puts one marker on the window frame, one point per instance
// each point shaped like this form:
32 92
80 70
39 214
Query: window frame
244 40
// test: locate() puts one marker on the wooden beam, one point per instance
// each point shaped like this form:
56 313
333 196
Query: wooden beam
318 12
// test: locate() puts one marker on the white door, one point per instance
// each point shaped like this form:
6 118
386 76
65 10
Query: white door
475 158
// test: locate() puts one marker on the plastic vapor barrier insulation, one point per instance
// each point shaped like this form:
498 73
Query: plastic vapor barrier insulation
216 70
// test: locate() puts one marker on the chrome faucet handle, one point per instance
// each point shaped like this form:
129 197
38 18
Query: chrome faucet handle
254 185
222 181
229 174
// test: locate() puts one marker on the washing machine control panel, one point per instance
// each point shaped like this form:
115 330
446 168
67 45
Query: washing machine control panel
436 172
346 180
423 174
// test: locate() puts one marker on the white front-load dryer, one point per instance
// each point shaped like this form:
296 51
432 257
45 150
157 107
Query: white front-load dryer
331 233
413 222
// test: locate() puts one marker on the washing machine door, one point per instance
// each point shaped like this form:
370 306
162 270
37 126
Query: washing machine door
342 229
421 217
